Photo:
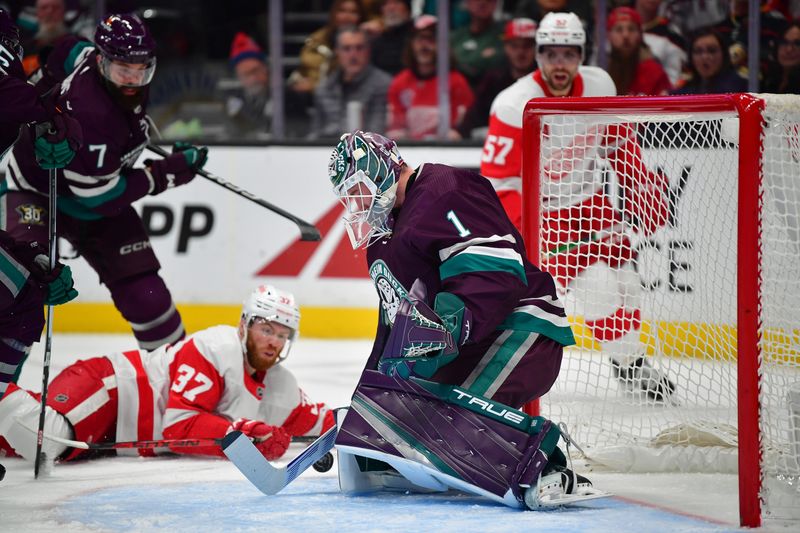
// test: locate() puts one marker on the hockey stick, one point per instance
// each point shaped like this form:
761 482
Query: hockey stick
268 478
48 343
307 231
148 444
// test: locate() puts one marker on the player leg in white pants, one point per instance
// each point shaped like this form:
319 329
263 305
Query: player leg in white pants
611 298
19 420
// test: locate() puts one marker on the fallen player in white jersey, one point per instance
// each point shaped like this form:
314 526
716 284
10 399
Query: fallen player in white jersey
217 380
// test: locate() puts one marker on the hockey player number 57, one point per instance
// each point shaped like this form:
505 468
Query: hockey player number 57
496 149
185 374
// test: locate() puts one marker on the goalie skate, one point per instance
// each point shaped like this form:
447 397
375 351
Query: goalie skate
558 487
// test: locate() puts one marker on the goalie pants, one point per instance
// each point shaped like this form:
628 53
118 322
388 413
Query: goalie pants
512 367
118 249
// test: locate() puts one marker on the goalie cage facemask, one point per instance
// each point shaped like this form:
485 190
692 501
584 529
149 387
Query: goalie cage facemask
272 305
364 169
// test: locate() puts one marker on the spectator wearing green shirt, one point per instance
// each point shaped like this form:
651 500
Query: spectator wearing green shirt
478 46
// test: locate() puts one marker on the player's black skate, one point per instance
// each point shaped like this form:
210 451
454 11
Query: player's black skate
640 376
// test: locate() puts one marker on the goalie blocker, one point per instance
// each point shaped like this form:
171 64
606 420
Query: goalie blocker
422 436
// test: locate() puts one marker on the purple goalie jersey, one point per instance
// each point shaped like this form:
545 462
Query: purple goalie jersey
100 180
452 233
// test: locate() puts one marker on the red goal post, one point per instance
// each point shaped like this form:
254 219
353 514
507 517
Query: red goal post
715 130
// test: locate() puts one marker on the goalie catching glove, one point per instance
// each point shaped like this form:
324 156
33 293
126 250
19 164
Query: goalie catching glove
271 441
422 339
179 168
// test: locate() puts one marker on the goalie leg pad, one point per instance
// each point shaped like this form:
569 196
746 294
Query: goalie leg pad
440 437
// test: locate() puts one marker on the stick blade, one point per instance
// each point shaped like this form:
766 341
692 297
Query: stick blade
315 451
309 233
246 457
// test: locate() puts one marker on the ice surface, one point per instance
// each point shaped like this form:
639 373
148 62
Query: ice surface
193 494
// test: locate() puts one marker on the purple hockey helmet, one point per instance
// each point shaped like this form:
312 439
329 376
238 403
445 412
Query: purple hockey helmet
125 39
9 34
364 169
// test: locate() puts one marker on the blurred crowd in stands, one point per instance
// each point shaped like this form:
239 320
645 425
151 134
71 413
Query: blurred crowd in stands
372 64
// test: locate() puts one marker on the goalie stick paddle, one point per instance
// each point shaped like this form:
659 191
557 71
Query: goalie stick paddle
266 477
308 232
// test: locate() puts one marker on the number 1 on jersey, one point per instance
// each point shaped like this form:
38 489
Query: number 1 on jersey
462 231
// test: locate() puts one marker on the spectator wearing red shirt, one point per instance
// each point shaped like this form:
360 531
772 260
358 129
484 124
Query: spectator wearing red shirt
632 65
413 97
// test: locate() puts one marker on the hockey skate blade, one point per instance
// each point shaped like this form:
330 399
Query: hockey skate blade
246 457
557 500
549 493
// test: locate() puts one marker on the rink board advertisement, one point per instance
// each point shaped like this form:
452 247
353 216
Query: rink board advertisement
215 246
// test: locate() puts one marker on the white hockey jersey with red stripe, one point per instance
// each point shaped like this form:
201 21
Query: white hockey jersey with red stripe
501 160
579 222
197 387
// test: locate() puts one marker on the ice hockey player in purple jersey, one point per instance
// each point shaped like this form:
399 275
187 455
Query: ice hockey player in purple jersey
469 331
105 87
26 281
59 135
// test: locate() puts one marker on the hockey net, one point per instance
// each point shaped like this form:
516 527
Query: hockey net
716 254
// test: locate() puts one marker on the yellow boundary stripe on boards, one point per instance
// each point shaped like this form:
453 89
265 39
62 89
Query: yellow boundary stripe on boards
674 339
316 322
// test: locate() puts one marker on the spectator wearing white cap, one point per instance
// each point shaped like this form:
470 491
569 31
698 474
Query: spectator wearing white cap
519 46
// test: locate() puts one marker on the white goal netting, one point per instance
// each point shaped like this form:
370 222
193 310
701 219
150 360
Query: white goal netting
639 223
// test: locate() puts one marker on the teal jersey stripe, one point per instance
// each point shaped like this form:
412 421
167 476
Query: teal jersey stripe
494 368
520 321
12 274
82 208
69 206
94 201
464 263
69 62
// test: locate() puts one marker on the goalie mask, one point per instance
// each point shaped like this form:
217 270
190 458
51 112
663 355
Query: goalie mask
271 306
364 170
